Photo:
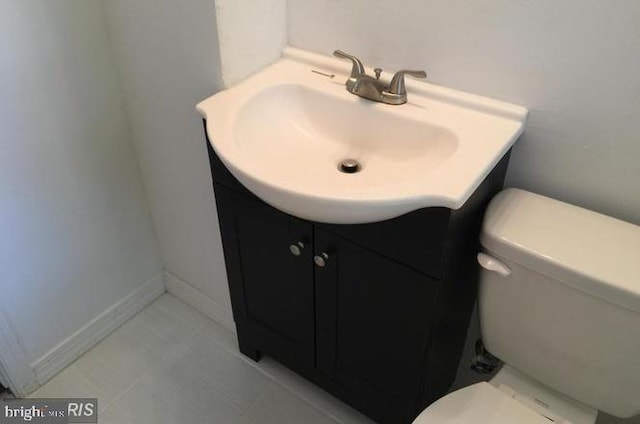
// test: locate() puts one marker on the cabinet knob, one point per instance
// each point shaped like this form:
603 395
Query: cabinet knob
321 259
296 248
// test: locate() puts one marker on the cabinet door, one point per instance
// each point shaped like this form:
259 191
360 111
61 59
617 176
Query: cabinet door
373 320
271 286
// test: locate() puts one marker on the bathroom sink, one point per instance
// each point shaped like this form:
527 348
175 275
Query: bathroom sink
285 131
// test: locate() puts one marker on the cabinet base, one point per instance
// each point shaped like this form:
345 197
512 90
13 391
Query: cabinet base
248 350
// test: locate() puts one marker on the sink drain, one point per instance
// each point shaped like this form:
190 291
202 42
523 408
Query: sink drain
349 166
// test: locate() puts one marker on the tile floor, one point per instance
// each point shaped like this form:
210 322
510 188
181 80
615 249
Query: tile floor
171 364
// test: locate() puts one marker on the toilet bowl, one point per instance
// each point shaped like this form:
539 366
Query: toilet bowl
559 304
509 398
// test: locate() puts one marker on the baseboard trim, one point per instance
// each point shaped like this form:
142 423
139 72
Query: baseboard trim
199 301
15 371
88 336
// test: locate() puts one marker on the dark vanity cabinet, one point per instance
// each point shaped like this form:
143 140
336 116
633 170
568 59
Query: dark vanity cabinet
376 314
271 288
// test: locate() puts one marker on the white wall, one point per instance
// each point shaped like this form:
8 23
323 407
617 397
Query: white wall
574 64
75 229
251 36
167 52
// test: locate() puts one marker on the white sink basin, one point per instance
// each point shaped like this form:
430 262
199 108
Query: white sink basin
284 131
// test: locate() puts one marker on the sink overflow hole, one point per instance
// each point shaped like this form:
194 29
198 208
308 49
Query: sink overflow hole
349 166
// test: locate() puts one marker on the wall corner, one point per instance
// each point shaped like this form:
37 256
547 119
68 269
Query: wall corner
251 34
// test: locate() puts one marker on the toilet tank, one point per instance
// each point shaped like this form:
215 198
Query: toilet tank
568 312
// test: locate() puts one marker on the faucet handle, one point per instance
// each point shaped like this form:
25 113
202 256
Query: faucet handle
357 68
397 82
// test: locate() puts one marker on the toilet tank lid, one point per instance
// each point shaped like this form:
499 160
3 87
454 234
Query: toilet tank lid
585 250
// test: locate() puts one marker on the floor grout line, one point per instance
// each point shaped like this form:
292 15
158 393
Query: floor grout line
235 352
255 402
162 360
195 330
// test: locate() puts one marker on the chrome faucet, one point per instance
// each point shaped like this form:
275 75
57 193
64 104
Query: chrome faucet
363 85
